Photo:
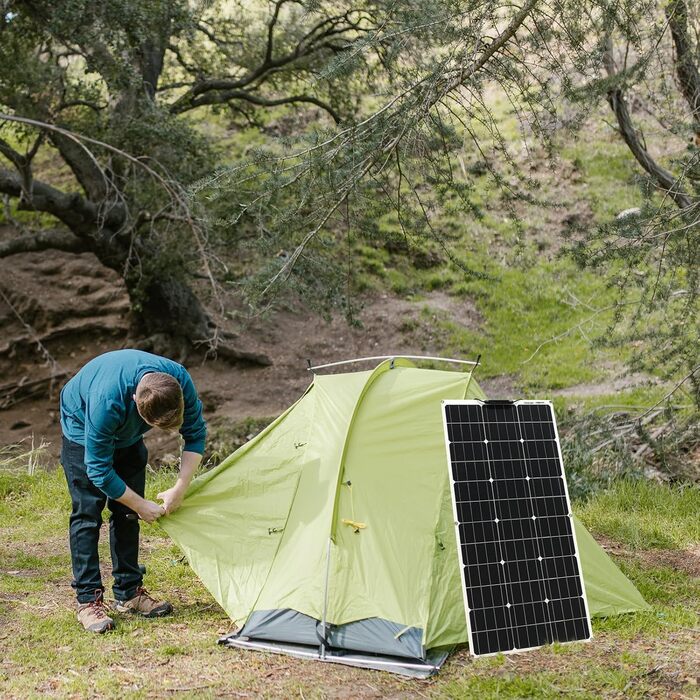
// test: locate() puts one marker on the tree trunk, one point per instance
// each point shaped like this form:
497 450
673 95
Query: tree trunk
169 306
167 314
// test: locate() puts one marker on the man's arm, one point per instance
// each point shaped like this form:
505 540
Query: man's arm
172 498
102 418
194 428
194 432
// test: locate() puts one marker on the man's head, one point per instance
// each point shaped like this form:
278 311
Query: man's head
159 400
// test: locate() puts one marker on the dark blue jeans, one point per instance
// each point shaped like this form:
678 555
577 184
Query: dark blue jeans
86 520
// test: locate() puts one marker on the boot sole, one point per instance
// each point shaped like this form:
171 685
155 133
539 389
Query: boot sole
100 630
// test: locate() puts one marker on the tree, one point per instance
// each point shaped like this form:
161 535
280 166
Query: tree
382 94
439 62
653 64
395 88
110 89
545 57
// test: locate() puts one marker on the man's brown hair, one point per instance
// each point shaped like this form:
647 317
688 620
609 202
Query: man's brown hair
159 400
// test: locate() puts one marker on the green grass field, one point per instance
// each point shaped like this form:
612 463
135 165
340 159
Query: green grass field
652 531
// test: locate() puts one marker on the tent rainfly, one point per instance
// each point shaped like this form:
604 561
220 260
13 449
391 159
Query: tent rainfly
331 536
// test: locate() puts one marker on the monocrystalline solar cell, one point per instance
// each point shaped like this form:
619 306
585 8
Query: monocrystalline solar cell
521 571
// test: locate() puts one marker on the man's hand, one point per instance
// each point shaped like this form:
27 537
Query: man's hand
149 511
172 498
146 510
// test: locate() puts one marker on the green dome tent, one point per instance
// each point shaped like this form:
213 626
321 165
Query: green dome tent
330 535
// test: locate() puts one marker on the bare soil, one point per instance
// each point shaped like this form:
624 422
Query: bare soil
58 310
685 560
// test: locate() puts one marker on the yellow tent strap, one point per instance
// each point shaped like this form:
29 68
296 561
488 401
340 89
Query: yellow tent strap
352 523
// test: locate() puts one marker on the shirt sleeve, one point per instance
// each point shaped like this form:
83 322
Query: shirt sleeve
194 428
102 418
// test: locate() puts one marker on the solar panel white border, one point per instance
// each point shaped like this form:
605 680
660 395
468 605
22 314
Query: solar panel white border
462 564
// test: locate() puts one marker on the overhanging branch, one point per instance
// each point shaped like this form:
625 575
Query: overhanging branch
76 212
231 95
44 240
663 178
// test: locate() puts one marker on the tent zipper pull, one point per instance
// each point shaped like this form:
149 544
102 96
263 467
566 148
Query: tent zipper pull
354 524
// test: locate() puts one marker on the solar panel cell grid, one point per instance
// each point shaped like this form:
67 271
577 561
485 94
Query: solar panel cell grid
521 571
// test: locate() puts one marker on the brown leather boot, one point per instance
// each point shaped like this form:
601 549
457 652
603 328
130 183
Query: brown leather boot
144 604
93 615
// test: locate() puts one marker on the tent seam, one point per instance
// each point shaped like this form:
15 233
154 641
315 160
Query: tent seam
378 370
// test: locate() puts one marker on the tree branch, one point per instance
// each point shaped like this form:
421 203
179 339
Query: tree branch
687 71
22 163
44 240
86 170
15 157
271 30
666 180
690 374
76 212
228 96
194 97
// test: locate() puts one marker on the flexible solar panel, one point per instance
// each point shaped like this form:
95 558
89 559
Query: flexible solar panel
521 570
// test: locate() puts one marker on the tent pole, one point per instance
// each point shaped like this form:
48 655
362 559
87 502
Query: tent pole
471 374
391 357
325 600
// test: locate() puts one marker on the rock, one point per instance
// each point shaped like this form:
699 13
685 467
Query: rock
634 211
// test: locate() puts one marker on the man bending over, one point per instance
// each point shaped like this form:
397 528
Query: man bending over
105 410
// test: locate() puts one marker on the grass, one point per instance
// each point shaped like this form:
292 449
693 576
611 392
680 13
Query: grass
533 302
645 515
524 309
43 652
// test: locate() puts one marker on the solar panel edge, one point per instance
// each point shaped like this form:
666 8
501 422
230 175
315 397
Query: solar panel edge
584 595
516 630
460 556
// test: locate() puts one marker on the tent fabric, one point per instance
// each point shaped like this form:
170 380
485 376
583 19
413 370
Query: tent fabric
369 635
340 510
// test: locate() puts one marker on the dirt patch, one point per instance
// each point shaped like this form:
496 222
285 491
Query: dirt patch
609 386
59 310
502 387
685 560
